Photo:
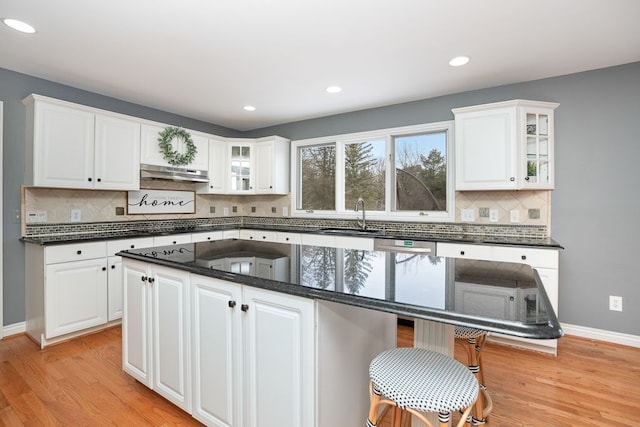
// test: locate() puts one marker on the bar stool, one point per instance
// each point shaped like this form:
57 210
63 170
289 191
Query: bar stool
415 381
475 339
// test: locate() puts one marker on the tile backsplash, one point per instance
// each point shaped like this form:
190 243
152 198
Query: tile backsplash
489 207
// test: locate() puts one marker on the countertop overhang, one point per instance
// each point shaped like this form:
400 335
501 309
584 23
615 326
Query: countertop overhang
543 324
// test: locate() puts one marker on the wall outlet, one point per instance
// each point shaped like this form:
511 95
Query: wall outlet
467 215
615 303
225 211
76 215
493 215
514 215
285 211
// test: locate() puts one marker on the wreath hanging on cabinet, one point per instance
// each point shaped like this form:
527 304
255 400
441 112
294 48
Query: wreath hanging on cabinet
169 153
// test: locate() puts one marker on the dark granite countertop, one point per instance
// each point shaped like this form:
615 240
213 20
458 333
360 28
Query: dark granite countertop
534 242
501 297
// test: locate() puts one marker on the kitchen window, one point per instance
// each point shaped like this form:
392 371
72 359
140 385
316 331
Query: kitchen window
401 173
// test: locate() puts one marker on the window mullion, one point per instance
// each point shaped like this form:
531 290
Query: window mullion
340 176
390 176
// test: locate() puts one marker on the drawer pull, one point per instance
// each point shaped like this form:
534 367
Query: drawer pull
244 307
104 268
144 278
232 304
113 266
133 246
461 252
79 252
523 257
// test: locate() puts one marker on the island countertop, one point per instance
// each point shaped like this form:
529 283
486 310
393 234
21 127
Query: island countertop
502 297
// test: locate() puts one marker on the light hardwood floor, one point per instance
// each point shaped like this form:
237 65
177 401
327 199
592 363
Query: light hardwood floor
80 383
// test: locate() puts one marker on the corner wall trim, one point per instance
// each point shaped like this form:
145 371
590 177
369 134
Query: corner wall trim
16 328
602 335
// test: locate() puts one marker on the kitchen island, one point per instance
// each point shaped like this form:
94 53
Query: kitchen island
250 333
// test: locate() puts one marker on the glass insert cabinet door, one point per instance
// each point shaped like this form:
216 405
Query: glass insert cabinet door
538 140
241 168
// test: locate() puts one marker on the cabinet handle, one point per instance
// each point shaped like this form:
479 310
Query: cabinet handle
151 280
113 266
104 268
89 179
133 246
286 238
512 179
461 252
526 178
523 257
271 186
250 237
144 278
211 186
244 307
232 304
174 242
79 252
264 237
99 179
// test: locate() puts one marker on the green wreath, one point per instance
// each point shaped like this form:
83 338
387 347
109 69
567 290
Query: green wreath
171 155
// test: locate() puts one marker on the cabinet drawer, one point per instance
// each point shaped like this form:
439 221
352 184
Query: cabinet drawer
292 238
258 235
455 250
547 258
174 239
115 246
75 252
206 236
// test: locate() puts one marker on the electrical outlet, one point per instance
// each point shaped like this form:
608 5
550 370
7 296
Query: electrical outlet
615 303
285 211
225 211
36 216
493 215
76 215
515 215
467 215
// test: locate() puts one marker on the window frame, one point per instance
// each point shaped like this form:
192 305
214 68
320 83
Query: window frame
388 135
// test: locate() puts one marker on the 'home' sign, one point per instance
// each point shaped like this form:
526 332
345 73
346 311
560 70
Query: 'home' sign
160 202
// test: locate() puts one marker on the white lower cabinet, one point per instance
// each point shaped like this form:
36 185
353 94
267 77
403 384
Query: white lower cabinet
75 296
253 355
155 330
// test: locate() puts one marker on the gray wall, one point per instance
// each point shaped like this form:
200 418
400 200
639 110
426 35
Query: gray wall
594 207
596 203
13 88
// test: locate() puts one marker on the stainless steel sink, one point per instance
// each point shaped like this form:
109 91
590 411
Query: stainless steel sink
350 231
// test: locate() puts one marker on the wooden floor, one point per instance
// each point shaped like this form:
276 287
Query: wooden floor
80 383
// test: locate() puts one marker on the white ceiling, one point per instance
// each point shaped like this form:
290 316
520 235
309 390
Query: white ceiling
206 59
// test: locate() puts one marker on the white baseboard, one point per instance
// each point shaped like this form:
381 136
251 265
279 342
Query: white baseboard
602 335
16 328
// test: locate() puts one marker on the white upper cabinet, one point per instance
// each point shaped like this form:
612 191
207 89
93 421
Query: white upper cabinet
272 165
504 146
71 146
151 154
117 153
247 166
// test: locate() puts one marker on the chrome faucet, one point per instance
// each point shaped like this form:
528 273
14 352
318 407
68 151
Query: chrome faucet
361 223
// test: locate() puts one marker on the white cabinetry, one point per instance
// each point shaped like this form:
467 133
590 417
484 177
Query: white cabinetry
544 261
248 166
72 146
272 165
155 330
218 175
66 290
114 264
504 146
253 355
152 155
172 239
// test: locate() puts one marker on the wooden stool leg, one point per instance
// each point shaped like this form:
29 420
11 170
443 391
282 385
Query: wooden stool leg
374 399
474 366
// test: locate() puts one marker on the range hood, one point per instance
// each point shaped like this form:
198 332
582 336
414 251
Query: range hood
173 173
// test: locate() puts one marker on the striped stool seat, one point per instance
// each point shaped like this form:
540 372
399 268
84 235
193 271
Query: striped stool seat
416 380
475 339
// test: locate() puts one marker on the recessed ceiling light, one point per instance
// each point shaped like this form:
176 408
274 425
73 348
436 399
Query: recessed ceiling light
458 61
249 108
334 89
23 27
